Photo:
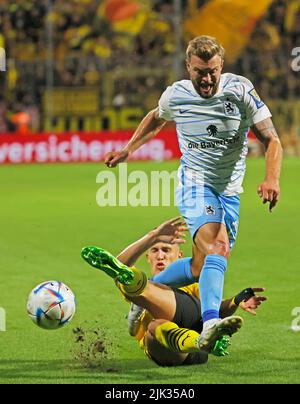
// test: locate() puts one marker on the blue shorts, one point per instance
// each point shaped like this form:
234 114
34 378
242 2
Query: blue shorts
200 204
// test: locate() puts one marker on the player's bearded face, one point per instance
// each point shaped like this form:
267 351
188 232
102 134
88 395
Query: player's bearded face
205 75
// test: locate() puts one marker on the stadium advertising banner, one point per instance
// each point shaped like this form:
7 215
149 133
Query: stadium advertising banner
82 147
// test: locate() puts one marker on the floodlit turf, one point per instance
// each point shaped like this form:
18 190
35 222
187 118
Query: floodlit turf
48 213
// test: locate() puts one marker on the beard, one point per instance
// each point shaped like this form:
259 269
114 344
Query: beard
206 89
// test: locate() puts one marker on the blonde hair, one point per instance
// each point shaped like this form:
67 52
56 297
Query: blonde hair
205 47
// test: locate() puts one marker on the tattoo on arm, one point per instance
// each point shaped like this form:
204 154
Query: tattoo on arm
265 131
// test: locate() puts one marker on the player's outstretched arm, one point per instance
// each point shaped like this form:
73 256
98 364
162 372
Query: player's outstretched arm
246 300
172 231
146 130
269 190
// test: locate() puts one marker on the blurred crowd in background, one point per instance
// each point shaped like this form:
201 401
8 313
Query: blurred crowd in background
85 43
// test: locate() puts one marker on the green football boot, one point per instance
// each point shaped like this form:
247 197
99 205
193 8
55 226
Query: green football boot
105 261
220 348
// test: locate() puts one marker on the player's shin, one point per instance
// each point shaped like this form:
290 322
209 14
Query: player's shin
177 339
211 284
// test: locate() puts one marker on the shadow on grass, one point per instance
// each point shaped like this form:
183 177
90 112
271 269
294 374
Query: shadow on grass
68 371
137 371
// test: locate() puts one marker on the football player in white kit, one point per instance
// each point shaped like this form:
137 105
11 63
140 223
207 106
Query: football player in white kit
213 113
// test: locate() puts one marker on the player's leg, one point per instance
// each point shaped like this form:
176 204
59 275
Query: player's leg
158 348
198 205
182 332
159 353
183 271
134 280
176 306
212 245
178 273
158 299
205 213
106 262
213 220
197 262
170 345
211 250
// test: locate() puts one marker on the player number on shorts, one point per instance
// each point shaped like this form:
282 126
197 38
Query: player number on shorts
2 319
296 322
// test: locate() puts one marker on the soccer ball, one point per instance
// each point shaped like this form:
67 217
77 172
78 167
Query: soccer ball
51 305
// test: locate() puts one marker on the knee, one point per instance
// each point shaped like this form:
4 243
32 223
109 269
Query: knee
153 325
218 247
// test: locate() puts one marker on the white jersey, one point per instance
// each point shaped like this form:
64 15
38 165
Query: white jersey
212 132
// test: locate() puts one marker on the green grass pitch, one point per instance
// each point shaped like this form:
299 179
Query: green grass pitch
48 213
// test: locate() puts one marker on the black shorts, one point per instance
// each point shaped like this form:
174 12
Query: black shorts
188 311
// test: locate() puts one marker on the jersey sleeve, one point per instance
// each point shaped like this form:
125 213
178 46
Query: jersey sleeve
257 111
164 105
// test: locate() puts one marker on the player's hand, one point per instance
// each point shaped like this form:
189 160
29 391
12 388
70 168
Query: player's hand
172 231
269 191
112 159
252 304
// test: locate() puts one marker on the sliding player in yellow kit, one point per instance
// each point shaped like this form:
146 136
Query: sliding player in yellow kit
166 321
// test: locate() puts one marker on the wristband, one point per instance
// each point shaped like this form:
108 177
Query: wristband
243 296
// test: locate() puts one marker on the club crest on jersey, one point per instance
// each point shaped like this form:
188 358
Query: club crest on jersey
210 210
230 108
258 102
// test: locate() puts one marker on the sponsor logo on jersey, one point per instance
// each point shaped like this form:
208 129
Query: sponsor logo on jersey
214 143
183 111
258 102
212 130
193 145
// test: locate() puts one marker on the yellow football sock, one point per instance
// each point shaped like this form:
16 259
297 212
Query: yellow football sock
138 286
177 339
